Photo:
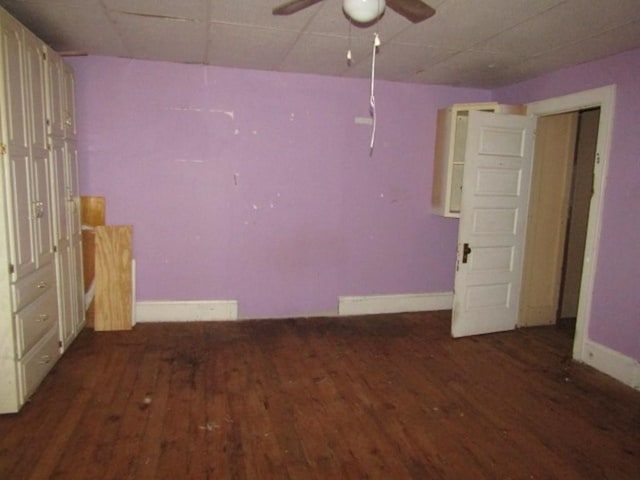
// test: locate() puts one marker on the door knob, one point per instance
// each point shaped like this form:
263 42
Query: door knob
466 250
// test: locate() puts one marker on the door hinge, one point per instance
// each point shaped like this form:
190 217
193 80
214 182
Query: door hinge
3 149
12 268
55 249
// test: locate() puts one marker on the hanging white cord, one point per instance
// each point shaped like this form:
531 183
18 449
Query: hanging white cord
349 57
372 100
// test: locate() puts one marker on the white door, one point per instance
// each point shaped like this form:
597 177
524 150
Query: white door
495 196
16 134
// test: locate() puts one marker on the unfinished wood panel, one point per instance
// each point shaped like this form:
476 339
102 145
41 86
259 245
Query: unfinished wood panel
92 214
547 219
93 210
379 397
114 281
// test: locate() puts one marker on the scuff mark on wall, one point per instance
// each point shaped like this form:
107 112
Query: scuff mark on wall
187 160
228 113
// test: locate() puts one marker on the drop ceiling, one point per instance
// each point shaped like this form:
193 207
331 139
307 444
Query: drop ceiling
471 43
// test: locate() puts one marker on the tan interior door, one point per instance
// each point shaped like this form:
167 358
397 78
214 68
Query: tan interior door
547 218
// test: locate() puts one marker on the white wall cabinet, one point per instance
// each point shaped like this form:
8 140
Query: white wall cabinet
448 162
41 307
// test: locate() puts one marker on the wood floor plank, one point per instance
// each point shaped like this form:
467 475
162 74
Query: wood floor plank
379 397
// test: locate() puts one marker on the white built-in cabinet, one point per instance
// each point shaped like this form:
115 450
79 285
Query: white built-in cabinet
41 292
450 150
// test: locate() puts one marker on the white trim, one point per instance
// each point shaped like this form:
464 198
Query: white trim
186 311
613 363
373 304
603 97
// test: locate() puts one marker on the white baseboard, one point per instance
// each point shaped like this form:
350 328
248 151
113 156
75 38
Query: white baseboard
186 311
373 304
613 363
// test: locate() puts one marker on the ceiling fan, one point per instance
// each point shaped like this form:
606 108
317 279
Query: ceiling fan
364 11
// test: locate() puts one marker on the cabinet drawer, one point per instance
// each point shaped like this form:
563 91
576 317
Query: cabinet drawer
32 286
38 362
36 319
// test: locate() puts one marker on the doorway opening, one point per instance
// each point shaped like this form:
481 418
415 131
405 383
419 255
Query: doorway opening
558 215
581 189
592 112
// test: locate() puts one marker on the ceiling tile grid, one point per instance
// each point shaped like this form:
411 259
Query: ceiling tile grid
471 43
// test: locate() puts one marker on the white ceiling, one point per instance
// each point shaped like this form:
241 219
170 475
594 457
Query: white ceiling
473 43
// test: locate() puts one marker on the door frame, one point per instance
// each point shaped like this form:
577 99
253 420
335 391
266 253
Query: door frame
604 98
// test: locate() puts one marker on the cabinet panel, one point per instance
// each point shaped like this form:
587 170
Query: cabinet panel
29 288
42 206
69 102
36 79
55 88
35 320
66 305
14 93
35 366
22 210
61 218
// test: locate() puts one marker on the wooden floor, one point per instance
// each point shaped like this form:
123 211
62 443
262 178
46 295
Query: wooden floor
381 397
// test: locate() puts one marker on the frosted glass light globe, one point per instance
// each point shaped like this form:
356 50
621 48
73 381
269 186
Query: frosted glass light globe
363 11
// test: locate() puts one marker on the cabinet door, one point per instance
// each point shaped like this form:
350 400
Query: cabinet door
59 187
36 78
73 190
64 278
38 147
69 101
16 133
55 88
78 286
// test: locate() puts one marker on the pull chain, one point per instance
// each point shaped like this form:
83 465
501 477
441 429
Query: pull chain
372 99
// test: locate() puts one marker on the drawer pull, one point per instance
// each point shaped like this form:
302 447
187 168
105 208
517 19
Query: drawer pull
43 317
42 285
44 359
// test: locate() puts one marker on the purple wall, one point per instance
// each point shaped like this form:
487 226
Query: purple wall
615 316
259 186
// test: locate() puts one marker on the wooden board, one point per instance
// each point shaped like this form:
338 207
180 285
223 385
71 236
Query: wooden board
93 211
114 279
92 214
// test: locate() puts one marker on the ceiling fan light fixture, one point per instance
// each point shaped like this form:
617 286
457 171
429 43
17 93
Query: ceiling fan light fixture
363 11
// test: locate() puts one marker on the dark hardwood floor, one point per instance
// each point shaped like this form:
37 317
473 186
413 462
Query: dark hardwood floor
381 397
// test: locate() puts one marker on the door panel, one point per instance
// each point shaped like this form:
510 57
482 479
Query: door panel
547 218
495 195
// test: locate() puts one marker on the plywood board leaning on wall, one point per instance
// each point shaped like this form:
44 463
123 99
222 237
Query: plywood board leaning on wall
113 277
92 214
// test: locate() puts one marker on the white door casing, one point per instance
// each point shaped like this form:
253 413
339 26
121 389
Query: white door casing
495 196
605 99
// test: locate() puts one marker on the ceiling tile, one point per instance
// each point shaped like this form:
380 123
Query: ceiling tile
460 24
563 25
227 46
258 13
398 62
163 39
185 9
314 53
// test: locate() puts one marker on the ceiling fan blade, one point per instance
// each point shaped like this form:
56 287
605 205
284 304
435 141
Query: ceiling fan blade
413 10
293 6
